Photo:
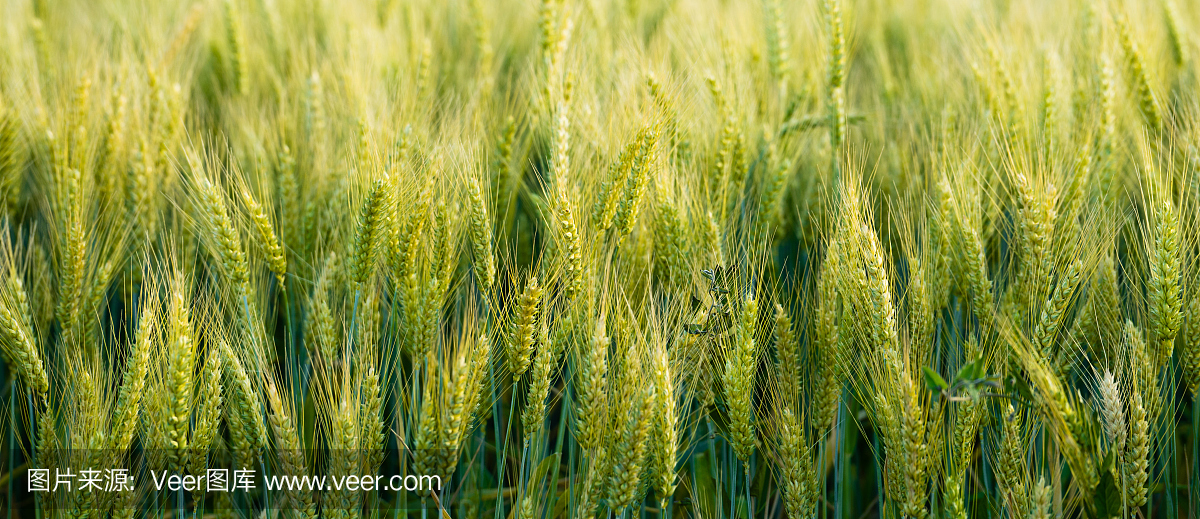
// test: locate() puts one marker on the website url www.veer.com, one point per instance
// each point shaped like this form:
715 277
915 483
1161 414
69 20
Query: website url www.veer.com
354 483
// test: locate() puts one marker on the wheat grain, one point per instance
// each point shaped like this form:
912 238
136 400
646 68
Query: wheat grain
235 38
481 236
244 408
18 342
592 365
1135 464
268 240
670 246
627 434
182 356
539 386
525 322
796 466
1010 463
570 244
208 412
371 221
1139 76
134 380
228 246
738 381
637 181
291 454
836 78
1164 293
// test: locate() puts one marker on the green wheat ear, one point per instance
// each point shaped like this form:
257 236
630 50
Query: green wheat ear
18 345
539 386
591 359
524 329
268 239
215 213
208 413
739 381
481 236
236 40
367 237
1139 77
573 270
665 441
181 353
133 381
1165 294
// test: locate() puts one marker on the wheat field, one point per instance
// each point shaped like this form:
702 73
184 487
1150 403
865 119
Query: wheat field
539 259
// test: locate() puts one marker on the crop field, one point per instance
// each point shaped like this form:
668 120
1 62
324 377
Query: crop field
618 259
